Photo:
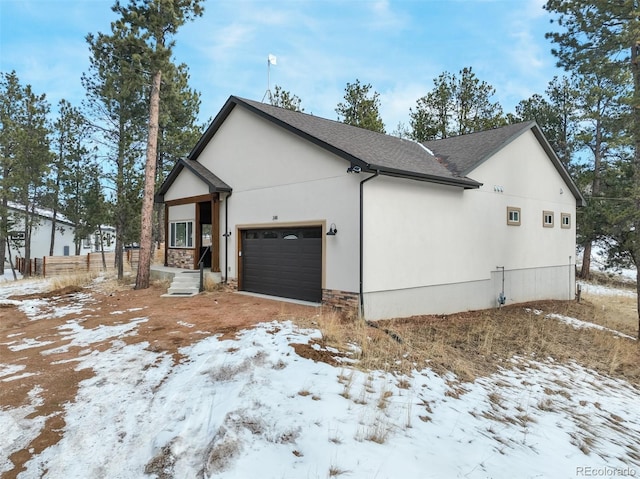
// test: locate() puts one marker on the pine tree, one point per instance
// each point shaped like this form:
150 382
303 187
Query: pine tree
285 99
117 100
457 105
70 162
29 159
178 130
360 107
11 97
153 23
605 36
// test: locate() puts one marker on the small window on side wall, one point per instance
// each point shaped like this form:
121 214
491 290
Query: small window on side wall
513 216
547 219
565 220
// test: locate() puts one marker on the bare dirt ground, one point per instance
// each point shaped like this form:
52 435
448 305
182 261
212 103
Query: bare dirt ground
172 323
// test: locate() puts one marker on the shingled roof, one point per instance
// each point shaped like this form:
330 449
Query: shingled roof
446 161
462 154
369 150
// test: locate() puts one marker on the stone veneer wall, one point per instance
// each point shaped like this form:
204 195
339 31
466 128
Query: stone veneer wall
232 284
343 301
181 258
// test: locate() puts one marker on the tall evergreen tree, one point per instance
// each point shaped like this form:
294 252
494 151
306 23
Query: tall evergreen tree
117 99
602 133
178 129
361 107
11 97
557 114
153 23
26 181
457 105
70 161
605 35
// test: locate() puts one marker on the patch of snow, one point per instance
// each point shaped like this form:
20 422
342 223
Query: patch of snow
126 311
28 343
599 263
8 369
18 376
263 411
600 290
82 337
19 427
12 288
250 407
577 324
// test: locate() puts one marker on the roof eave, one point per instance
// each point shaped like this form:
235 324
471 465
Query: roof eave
178 167
465 183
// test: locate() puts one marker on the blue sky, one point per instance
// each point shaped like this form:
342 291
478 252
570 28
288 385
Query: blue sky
399 46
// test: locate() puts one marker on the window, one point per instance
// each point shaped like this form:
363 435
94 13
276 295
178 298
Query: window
513 216
181 234
565 220
547 219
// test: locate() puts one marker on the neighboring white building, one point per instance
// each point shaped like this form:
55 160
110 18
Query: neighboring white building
303 207
64 244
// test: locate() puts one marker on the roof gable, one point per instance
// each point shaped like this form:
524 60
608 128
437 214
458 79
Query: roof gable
462 154
369 150
214 183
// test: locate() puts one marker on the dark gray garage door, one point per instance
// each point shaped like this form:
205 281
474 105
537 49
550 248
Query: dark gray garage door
283 262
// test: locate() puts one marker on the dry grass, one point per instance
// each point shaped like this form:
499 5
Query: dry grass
477 343
64 281
210 285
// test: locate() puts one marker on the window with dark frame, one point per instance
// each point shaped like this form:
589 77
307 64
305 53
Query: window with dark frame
181 234
513 216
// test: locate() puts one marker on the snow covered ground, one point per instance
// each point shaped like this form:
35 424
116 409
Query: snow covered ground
252 408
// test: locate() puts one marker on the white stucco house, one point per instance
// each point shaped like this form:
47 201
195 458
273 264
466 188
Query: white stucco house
40 234
64 243
298 206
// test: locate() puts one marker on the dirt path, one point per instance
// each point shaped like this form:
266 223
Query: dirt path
36 347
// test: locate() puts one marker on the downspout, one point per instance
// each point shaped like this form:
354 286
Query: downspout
226 237
362 240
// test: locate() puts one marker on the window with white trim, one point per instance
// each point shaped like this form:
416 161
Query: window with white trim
565 220
181 234
513 216
547 219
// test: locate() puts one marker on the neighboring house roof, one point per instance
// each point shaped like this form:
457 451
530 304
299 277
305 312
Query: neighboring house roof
462 154
45 213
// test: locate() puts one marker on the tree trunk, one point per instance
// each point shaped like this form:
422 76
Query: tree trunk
4 223
585 270
53 232
635 242
104 261
146 224
27 243
13 270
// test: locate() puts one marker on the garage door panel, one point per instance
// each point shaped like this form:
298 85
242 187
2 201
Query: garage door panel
283 262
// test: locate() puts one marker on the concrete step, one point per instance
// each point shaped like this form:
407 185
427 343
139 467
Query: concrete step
188 279
182 290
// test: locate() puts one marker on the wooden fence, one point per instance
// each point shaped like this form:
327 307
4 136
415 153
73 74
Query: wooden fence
49 266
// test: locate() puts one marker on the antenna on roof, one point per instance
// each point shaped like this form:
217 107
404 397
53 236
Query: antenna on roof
271 60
